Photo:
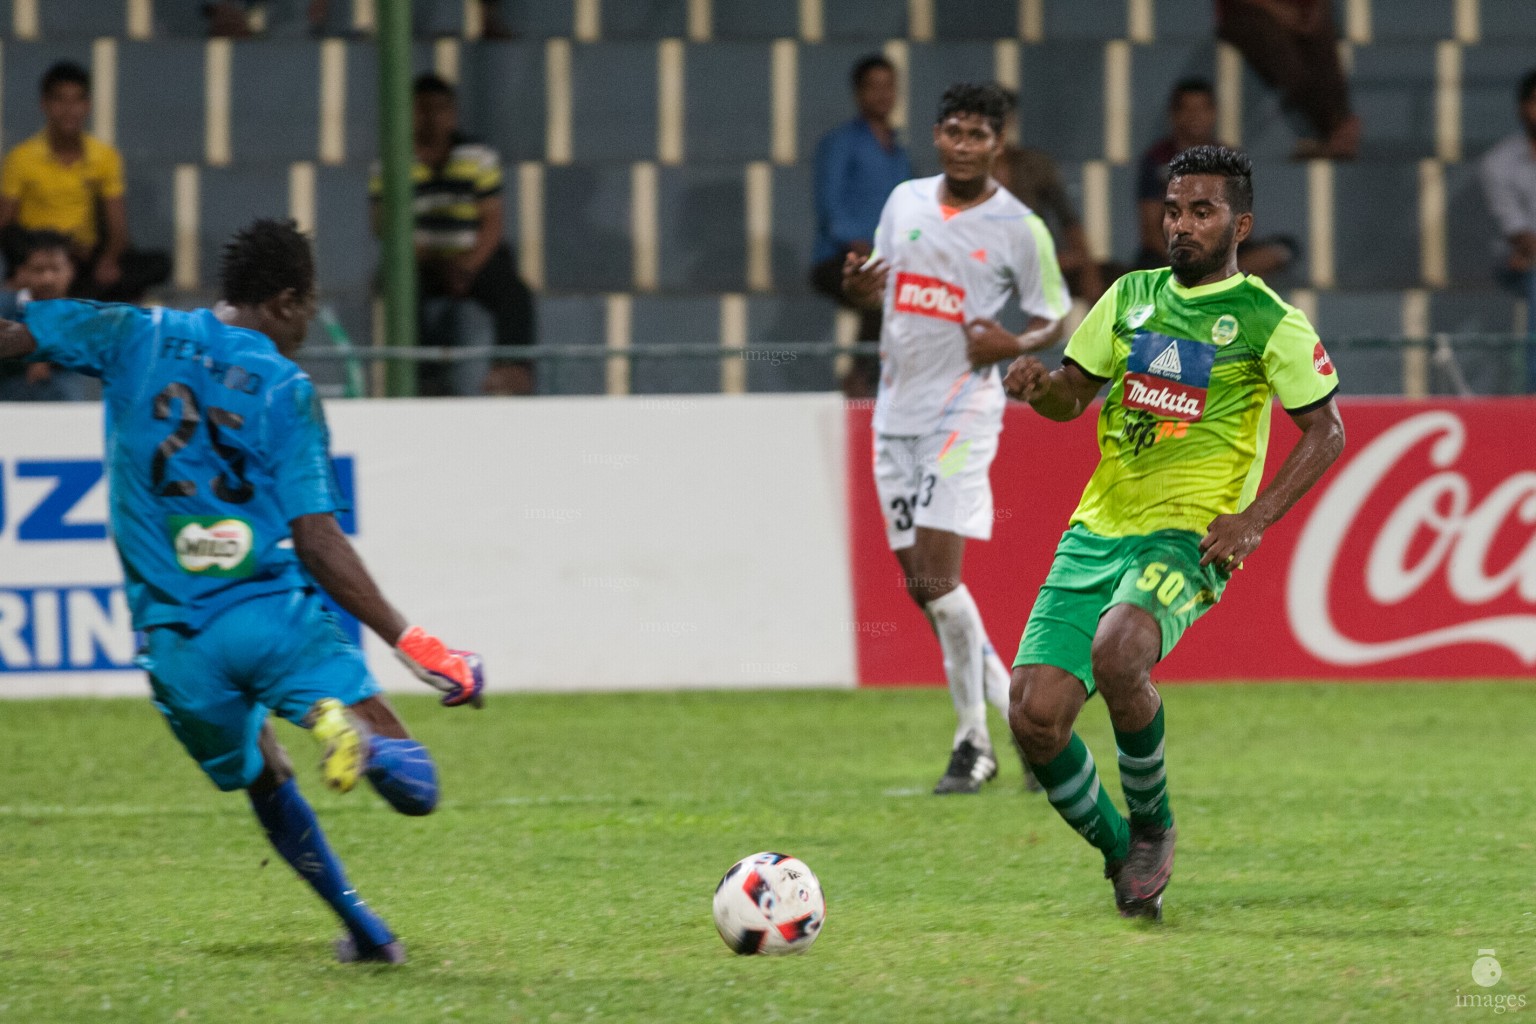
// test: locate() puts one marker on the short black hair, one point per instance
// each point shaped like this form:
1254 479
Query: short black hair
263 258
1221 162
989 100
1184 86
1527 85
430 84
65 72
867 63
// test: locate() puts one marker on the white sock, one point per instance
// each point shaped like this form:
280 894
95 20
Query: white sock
957 622
998 679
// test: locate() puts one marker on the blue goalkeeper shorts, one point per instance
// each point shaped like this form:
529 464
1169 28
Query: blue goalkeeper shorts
214 686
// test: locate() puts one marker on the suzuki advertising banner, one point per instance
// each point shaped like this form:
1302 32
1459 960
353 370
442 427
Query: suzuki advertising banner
1415 557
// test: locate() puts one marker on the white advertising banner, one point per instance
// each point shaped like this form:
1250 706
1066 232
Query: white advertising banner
577 543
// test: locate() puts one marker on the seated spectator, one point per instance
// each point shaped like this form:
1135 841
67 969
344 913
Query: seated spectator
64 180
858 164
470 294
1293 46
42 270
1192 120
1509 185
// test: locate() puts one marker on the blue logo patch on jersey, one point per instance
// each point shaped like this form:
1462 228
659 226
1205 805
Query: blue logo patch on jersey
1167 376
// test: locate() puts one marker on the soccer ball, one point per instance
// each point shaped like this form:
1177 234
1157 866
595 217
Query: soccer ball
769 903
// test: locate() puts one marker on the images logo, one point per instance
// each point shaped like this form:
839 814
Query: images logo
928 296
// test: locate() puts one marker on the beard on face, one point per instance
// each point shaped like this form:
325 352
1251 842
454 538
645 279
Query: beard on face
1191 264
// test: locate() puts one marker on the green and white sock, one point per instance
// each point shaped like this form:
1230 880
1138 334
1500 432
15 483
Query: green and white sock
1143 774
1072 785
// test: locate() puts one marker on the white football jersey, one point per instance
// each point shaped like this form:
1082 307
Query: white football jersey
948 267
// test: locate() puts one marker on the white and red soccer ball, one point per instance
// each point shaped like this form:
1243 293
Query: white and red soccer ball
769 903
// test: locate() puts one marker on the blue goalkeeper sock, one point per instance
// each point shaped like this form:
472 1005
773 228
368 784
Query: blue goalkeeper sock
295 833
403 773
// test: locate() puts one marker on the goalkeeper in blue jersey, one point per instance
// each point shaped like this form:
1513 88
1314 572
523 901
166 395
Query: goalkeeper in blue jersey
222 503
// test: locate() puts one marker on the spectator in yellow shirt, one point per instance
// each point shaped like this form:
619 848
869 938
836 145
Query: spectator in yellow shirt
64 180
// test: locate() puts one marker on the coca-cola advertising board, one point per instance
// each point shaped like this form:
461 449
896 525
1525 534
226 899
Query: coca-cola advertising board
1413 558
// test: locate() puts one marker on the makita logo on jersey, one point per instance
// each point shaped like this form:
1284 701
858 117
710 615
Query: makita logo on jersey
928 296
1167 376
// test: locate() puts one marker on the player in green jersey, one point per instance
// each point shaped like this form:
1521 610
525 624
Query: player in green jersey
1192 355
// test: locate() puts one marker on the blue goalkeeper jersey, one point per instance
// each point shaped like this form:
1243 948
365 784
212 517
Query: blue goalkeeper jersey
215 442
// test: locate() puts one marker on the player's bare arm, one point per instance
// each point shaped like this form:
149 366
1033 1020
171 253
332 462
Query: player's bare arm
864 282
1060 394
334 563
15 340
988 342
1232 538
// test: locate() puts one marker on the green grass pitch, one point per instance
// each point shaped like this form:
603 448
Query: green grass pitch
1345 851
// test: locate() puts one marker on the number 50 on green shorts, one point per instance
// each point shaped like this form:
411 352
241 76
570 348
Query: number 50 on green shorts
1160 572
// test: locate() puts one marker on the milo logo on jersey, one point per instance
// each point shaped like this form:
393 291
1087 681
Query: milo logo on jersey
1167 376
928 296
214 546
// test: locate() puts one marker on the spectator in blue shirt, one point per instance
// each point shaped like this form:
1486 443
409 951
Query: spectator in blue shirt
858 164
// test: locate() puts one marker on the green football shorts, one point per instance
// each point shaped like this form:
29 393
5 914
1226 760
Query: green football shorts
1160 572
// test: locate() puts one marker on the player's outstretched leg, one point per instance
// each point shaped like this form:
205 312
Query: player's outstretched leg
368 740
1046 701
295 833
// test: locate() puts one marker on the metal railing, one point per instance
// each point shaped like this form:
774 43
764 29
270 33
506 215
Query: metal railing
1442 363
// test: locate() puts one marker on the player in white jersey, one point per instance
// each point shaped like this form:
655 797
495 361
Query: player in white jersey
949 252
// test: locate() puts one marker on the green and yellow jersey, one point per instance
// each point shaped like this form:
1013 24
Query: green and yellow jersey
1184 429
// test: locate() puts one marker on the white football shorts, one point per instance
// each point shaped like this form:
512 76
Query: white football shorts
939 481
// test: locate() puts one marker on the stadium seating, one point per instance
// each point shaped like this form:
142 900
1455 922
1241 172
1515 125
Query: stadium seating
504 98
864 19
777 321
1507 20
1392 89
572 320
728 109
82 18
794 229
1063 87
702 219
273 96
753 19
668 320
975 19
645 19
586 217
1155 68
159 117
1489 75
1470 229
1383 227
1376 218
1423 20
613 98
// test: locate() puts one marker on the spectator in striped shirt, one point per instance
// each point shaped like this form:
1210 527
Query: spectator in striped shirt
469 290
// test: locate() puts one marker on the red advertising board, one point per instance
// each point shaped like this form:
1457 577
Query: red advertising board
1415 557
